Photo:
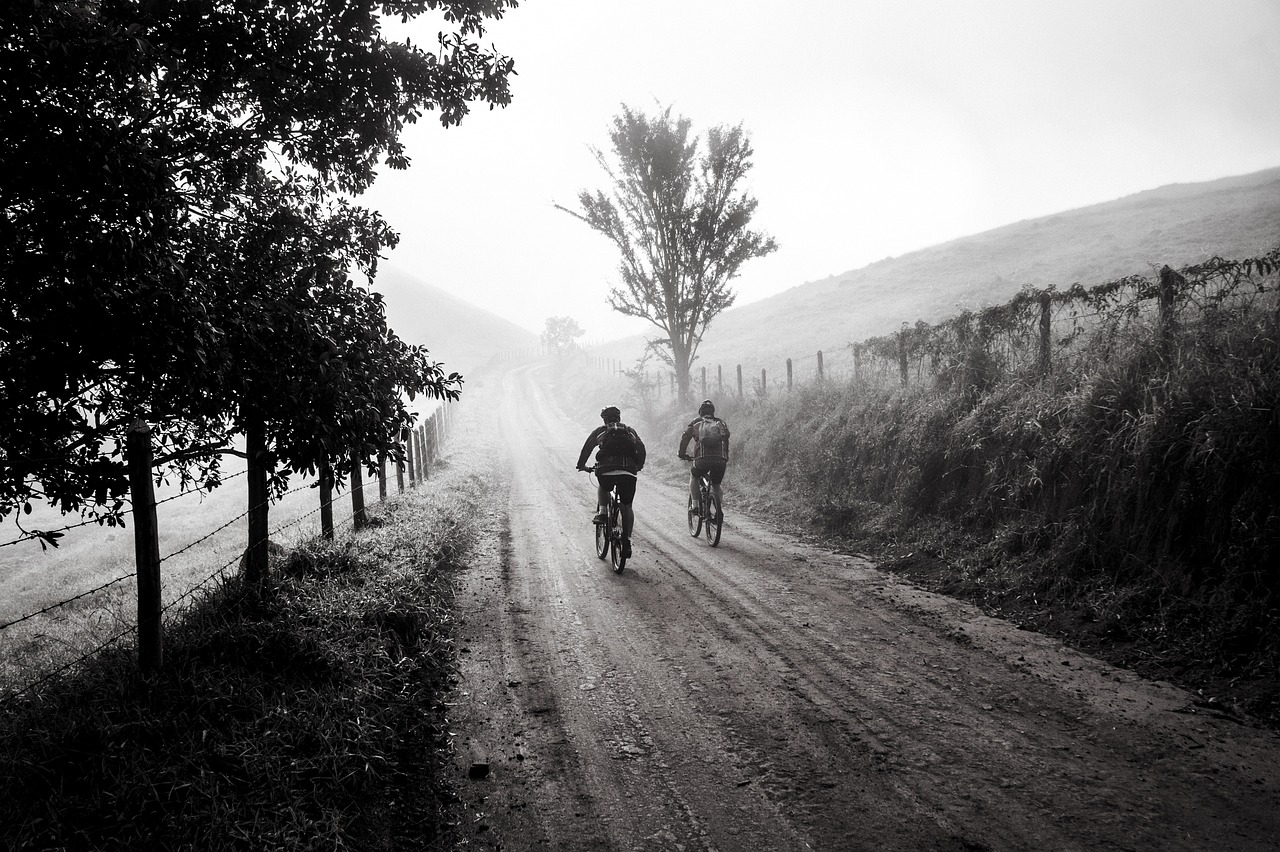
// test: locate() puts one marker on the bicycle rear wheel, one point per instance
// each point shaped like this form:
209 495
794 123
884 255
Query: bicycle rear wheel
695 521
714 520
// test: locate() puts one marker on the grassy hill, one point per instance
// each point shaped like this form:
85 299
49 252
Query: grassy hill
1177 225
460 335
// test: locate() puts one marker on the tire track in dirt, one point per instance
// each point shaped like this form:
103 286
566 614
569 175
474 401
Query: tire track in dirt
770 695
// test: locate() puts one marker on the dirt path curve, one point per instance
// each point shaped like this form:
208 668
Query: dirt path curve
769 695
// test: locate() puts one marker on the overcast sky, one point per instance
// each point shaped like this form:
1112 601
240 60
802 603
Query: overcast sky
879 128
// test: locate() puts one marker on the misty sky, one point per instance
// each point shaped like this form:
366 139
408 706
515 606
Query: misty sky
879 128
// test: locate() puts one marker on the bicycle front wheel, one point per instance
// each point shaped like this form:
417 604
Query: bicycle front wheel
695 521
619 561
714 520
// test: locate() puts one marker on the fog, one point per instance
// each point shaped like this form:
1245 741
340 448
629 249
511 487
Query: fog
879 129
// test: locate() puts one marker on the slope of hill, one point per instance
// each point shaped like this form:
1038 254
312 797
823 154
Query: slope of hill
1178 224
460 335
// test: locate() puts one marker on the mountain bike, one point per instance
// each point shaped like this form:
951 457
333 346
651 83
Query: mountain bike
609 533
706 516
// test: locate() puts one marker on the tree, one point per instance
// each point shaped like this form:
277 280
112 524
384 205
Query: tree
130 132
560 333
680 218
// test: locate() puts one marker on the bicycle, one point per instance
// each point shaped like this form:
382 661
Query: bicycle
707 516
609 533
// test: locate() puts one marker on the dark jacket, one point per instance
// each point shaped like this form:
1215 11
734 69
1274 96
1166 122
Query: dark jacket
605 464
691 434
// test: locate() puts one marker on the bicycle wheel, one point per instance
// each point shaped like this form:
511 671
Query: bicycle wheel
714 521
695 521
602 540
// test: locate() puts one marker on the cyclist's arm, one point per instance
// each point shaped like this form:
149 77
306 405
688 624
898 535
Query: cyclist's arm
588 445
685 439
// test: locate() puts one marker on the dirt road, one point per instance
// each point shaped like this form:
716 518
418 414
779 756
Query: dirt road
768 695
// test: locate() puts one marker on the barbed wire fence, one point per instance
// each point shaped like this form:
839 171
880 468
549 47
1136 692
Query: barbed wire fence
423 446
1038 329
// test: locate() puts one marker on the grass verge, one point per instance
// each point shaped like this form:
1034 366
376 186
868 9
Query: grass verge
314 719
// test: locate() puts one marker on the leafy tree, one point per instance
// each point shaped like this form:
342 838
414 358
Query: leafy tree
559 334
680 218
128 132
307 370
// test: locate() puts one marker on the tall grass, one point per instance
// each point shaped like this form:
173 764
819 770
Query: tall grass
1137 481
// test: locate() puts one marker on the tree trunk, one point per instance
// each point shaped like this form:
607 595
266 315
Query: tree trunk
255 563
682 363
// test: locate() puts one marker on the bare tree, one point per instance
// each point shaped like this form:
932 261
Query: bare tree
680 218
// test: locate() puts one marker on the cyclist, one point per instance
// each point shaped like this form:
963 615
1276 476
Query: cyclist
710 454
620 456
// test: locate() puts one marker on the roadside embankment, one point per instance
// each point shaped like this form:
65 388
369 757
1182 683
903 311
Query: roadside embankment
312 719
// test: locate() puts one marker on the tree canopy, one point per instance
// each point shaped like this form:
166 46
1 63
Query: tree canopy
680 217
170 226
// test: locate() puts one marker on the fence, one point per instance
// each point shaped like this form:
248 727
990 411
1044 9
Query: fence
1029 335
423 446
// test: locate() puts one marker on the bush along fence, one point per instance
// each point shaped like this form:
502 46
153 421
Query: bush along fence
1036 331
423 447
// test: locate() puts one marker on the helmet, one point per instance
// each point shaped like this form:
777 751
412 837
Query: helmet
707 407
610 414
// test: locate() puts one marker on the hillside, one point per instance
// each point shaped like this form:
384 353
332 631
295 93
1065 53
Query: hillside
1177 225
460 335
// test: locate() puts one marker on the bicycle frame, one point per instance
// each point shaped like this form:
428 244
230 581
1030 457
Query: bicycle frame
706 516
609 534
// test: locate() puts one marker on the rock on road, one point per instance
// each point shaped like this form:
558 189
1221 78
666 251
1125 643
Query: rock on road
771 695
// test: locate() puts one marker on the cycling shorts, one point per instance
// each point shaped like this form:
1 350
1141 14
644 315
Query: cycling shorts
621 481
713 467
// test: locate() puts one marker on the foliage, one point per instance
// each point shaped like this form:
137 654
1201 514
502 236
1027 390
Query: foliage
1135 482
680 218
560 333
132 144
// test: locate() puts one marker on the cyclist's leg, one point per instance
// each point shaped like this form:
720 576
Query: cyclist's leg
602 496
693 484
626 486
715 472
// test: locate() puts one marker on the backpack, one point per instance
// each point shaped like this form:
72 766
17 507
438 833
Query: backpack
711 436
617 441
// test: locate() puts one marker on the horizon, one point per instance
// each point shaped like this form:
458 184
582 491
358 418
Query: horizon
877 131
602 340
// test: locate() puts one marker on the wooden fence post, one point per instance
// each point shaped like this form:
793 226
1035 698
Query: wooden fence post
410 457
326 501
400 465
819 365
382 477
146 546
902 355
359 519
764 387
1045 316
1169 280
788 375
740 396
704 382
424 448
719 380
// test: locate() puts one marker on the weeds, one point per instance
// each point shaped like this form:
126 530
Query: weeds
1127 498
